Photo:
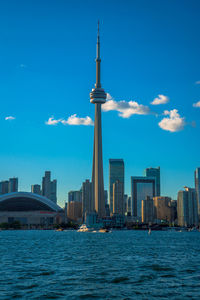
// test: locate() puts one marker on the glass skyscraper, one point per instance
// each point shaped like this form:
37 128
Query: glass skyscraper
141 188
154 172
116 173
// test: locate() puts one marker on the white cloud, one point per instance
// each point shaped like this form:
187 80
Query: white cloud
72 120
197 82
173 122
196 104
9 118
161 99
125 109
53 121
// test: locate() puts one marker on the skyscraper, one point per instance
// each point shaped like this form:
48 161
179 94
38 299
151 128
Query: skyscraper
187 207
49 188
4 187
154 172
36 189
87 204
98 97
116 172
141 187
13 185
197 186
118 197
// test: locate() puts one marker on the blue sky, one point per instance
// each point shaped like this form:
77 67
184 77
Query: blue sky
47 69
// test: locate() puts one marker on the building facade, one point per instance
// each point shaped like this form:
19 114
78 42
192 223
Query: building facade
141 188
116 172
118 197
4 187
75 196
36 189
87 203
147 210
13 185
154 172
187 207
49 188
74 211
163 211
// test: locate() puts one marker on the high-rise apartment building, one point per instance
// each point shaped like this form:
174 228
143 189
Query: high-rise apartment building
75 196
141 188
4 187
147 210
187 209
197 187
154 172
118 197
36 189
74 211
116 172
13 185
163 210
49 188
87 203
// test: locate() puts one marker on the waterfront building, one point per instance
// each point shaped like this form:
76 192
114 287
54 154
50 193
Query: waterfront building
125 203
163 210
116 172
98 97
74 211
75 196
49 188
141 188
187 208
4 187
147 210
197 186
13 185
129 205
36 189
118 197
87 203
154 172
31 210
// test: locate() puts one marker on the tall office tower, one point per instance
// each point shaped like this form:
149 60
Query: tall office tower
75 196
125 203
4 187
98 97
87 204
147 210
141 187
197 186
49 188
163 210
154 172
187 209
74 211
54 191
36 189
129 205
118 197
116 172
13 185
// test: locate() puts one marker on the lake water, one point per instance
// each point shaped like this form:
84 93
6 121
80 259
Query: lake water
117 265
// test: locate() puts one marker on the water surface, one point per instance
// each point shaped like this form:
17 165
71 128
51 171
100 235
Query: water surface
117 265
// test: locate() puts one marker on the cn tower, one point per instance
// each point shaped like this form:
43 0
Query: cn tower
98 97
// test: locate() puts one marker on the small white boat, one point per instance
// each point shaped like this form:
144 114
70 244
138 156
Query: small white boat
84 228
149 232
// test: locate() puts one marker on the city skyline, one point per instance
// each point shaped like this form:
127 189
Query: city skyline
39 81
